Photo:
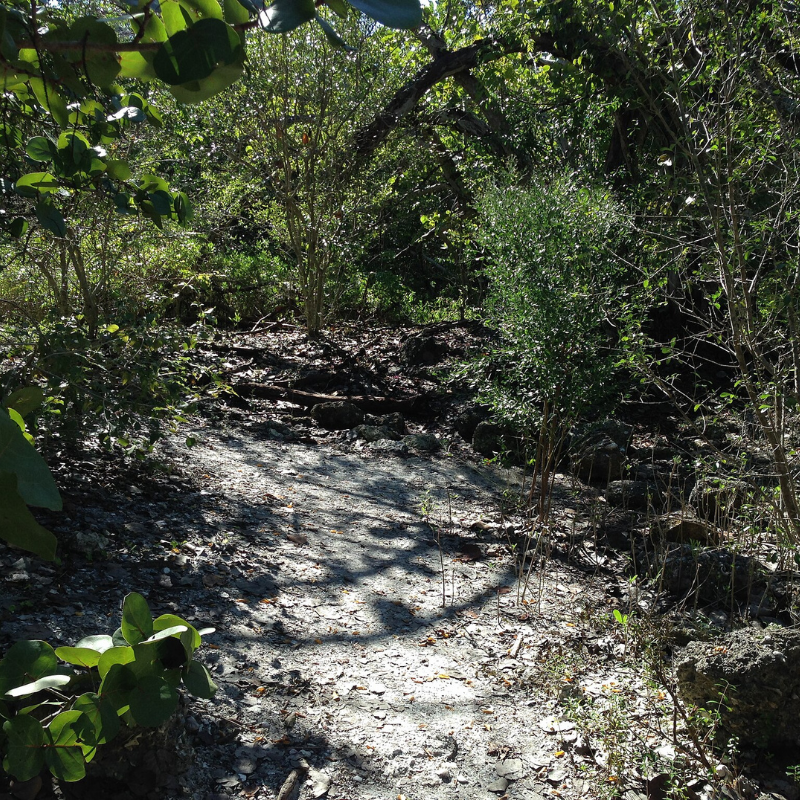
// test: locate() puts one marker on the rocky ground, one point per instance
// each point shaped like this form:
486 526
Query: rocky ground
389 624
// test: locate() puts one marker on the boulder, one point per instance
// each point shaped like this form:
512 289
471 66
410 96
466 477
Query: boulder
421 350
394 422
426 442
717 499
637 495
467 421
758 672
390 448
339 415
487 438
598 451
374 433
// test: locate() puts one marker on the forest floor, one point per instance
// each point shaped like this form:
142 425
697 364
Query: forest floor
379 631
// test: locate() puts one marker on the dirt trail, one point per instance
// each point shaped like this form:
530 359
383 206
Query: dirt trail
334 649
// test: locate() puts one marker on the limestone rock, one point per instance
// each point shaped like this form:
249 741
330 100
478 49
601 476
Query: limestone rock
762 669
426 442
338 415
598 451
422 350
632 494
374 433
487 438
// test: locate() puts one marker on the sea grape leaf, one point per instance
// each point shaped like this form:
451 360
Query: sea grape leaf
26 741
18 526
137 622
152 701
35 483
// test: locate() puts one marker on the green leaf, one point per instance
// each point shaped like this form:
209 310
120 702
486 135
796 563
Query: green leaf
137 621
48 682
112 657
35 482
152 701
101 67
34 182
392 13
116 687
40 148
49 99
18 227
26 741
25 400
286 15
197 680
51 218
193 54
79 656
333 38
99 642
118 170
235 13
198 91
17 525
102 715
339 7
137 65
167 621
65 756
26 661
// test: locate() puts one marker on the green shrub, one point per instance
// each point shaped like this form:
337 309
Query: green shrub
548 250
59 705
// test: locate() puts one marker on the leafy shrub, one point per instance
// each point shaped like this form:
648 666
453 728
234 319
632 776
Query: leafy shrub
123 386
548 250
57 715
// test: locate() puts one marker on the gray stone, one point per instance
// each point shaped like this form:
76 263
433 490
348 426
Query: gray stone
421 350
389 447
466 422
717 499
511 768
761 669
487 438
374 433
422 441
632 494
499 786
338 415
394 422
598 451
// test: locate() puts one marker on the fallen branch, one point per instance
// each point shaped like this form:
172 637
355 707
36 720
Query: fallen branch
372 405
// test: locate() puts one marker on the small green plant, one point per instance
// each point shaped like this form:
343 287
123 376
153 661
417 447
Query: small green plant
59 705
25 479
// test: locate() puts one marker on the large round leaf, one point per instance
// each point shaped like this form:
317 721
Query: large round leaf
137 621
48 682
392 13
51 219
34 182
197 680
35 483
194 53
102 715
64 756
25 749
18 526
41 149
198 91
153 701
286 15
26 661
79 656
25 400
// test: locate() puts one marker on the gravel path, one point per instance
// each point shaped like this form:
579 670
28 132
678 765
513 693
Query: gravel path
334 651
